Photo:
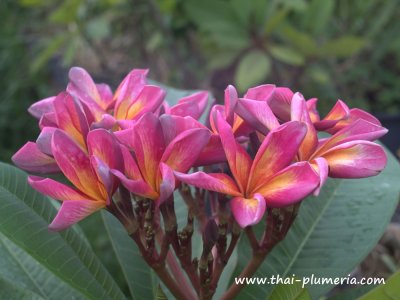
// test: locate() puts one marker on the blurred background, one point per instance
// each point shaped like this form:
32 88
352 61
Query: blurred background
327 49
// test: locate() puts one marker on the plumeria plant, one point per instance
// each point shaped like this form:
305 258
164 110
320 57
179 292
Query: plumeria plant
242 174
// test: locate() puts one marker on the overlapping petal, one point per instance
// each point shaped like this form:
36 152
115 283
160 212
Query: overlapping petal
31 159
248 212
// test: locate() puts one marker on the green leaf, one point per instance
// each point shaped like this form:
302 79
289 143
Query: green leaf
287 55
19 267
388 291
318 15
275 20
332 233
301 41
344 46
293 291
48 52
136 272
352 293
11 291
253 68
24 217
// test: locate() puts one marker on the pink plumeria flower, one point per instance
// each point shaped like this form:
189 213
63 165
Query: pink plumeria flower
89 173
268 180
156 153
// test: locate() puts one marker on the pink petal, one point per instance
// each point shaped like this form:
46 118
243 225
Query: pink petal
276 152
128 90
71 117
358 130
231 98
72 212
261 92
280 101
130 165
320 166
356 159
83 87
149 100
126 137
192 105
48 120
212 153
38 109
54 189
107 122
137 187
248 212
184 150
216 182
174 125
339 112
290 185
238 159
31 159
312 109
355 114
103 144
106 95
167 185
299 112
257 114
43 141
148 144
76 166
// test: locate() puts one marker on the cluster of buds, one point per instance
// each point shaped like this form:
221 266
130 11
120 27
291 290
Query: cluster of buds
130 152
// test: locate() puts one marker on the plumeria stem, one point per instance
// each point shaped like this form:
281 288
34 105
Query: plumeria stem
278 224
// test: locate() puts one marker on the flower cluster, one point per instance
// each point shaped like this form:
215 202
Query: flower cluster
261 151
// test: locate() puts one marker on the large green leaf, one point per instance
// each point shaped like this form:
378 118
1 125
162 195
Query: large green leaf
10 290
388 291
27 274
332 233
294 291
24 217
136 272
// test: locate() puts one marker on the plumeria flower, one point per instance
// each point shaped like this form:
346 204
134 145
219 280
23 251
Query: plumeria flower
268 180
151 153
93 184
349 153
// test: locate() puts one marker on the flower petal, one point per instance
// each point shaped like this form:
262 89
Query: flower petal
55 189
38 109
280 101
71 117
72 212
276 152
174 125
257 114
231 98
128 90
137 187
192 105
260 93
320 166
312 109
31 159
356 159
290 185
339 112
238 159
212 153
299 112
167 184
248 212
358 130
217 182
103 145
75 165
43 141
181 153
148 145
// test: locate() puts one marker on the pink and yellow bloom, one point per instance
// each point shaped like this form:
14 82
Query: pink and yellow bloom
151 153
93 184
268 180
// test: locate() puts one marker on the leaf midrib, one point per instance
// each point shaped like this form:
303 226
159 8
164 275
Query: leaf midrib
312 228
